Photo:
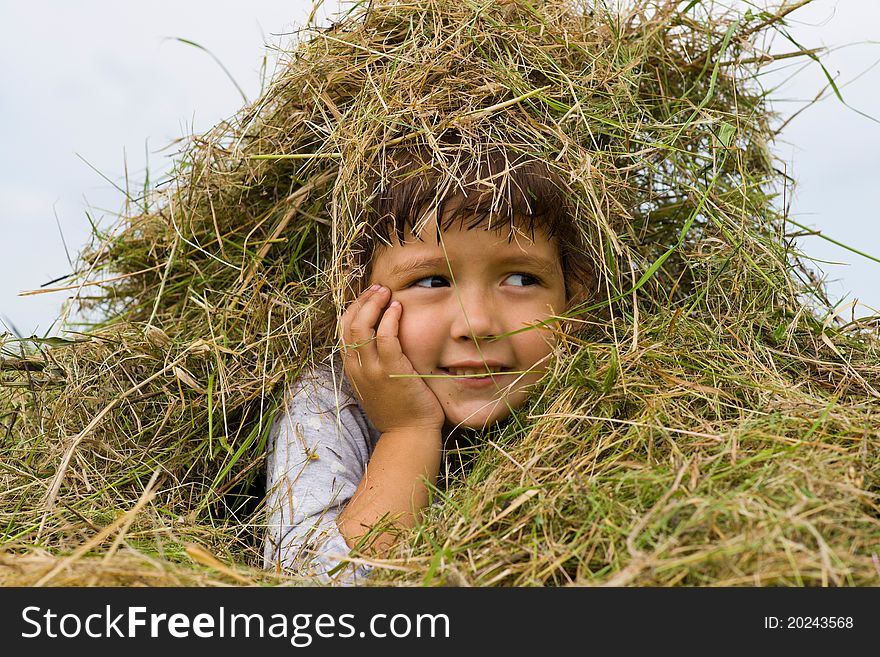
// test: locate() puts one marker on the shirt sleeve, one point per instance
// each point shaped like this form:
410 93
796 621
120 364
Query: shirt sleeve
319 445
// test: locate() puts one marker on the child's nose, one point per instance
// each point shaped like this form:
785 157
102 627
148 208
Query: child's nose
475 317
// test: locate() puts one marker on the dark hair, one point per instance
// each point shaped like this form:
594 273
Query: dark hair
495 190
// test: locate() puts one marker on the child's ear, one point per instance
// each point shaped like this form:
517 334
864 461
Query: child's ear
577 296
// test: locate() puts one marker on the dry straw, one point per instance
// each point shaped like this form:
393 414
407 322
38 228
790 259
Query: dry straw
710 422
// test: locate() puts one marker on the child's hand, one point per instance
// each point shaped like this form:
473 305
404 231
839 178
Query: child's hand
372 354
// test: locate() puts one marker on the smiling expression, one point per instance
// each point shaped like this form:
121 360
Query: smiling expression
460 292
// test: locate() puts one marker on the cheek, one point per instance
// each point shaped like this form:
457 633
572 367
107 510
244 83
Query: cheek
532 347
418 335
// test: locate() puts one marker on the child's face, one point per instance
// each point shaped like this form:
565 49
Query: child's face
500 286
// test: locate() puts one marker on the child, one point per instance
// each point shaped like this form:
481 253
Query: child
434 344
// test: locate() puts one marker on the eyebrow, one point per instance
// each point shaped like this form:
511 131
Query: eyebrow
416 264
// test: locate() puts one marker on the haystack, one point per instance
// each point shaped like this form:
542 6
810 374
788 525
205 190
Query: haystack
710 421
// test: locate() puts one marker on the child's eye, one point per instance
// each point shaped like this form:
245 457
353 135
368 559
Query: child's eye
523 280
431 281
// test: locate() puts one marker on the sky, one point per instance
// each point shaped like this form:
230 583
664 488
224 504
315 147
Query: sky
94 90
832 149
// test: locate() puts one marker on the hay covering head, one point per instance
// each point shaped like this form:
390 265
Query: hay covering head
708 428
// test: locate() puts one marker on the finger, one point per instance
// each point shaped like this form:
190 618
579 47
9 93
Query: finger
363 325
351 358
351 313
387 341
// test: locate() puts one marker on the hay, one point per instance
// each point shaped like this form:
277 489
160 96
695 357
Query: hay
712 422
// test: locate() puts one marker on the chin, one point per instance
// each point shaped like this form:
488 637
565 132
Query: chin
479 417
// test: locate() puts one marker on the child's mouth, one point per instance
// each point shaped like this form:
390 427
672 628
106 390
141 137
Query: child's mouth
473 376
